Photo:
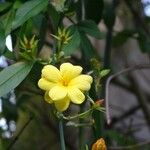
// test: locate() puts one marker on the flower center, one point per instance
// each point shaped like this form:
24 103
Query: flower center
64 82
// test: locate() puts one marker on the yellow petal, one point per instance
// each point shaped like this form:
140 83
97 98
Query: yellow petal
57 93
82 82
83 86
47 98
51 73
76 95
69 71
63 104
45 84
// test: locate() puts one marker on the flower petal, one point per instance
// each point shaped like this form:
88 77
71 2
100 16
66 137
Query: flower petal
63 104
45 84
82 82
57 93
47 98
69 71
51 73
76 95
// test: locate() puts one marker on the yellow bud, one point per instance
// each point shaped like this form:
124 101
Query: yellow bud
99 145
27 44
63 36
99 102
95 63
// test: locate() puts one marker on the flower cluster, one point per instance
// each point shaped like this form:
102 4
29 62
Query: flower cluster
65 85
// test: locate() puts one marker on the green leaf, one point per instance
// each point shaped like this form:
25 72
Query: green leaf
2 38
104 72
86 47
11 76
28 10
8 21
4 6
121 37
120 138
55 17
144 43
1 143
94 10
10 55
91 28
74 43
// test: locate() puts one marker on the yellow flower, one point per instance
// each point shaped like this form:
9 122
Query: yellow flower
99 145
65 85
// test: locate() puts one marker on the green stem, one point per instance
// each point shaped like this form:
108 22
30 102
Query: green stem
107 55
78 115
81 130
61 131
59 46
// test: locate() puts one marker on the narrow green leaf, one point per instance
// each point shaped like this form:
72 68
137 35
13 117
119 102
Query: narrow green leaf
4 6
74 43
2 38
8 21
28 10
86 147
12 76
91 28
101 109
86 114
104 72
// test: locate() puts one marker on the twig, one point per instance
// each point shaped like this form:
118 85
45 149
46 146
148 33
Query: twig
138 67
19 134
130 146
137 17
142 100
132 88
72 21
128 113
